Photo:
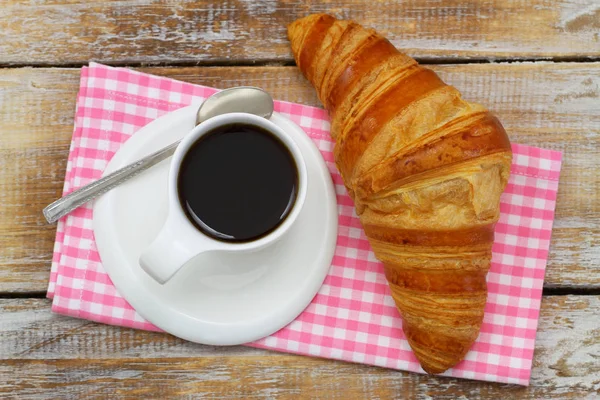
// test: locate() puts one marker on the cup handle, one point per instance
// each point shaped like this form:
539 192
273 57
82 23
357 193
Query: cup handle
175 245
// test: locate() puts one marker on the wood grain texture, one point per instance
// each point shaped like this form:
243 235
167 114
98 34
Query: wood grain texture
552 105
46 356
36 123
59 32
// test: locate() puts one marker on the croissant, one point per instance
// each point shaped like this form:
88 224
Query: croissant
425 169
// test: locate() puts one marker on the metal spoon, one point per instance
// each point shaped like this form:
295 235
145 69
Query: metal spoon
246 99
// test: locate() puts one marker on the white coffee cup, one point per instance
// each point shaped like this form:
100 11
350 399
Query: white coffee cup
179 240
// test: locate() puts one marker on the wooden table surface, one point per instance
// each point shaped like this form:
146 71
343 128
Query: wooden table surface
535 63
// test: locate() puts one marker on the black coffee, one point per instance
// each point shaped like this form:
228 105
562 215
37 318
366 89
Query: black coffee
237 183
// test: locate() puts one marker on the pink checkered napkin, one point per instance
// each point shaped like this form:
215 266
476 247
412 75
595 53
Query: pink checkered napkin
353 317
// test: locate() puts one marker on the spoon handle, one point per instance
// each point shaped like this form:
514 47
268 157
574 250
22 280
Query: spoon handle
73 200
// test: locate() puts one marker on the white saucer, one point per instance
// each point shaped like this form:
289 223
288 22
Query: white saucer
217 298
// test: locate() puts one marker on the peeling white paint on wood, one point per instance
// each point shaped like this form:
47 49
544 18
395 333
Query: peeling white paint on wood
45 354
581 17
143 31
543 104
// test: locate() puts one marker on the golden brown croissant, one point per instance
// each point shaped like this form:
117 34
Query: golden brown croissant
425 170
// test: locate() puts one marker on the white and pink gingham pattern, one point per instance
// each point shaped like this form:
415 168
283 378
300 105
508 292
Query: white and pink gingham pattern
353 317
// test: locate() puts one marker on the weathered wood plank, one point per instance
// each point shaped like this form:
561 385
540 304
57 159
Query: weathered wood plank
543 104
49 355
60 32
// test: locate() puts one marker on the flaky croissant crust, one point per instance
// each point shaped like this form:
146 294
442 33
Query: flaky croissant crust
425 169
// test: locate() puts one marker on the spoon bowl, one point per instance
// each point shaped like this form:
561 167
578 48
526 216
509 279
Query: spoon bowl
246 99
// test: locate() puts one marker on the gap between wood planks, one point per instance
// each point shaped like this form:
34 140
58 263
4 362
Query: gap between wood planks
23 295
291 63
564 291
